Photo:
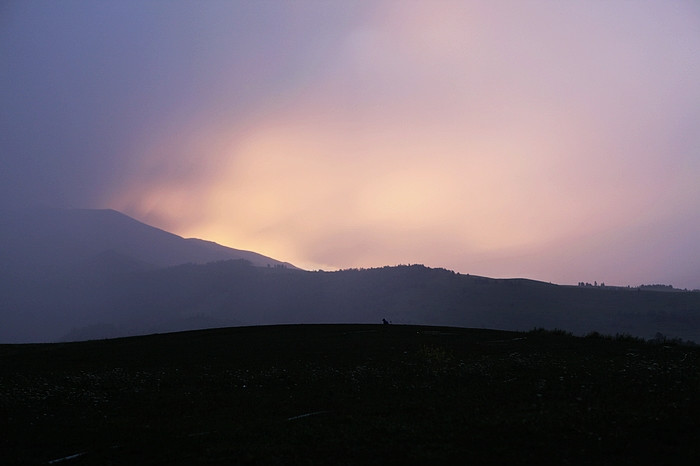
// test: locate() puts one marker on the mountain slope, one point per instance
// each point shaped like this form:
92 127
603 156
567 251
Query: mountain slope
48 242
236 293
85 274
66 269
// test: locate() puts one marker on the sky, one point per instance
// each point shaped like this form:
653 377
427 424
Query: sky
558 141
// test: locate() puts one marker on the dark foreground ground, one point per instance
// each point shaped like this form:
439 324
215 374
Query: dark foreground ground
350 394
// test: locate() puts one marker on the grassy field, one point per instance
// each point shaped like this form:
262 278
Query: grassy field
350 394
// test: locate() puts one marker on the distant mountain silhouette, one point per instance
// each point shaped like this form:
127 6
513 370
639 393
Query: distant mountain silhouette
236 293
82 274
48 242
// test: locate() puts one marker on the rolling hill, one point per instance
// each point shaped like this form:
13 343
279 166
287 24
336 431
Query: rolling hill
236 293
78 275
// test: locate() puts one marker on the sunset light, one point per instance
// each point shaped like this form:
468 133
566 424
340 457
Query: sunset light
552 140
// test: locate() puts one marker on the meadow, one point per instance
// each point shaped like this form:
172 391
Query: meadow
350 394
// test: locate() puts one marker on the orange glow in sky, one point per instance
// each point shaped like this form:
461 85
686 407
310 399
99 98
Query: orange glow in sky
552 140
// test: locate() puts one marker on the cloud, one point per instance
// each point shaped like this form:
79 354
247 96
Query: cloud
452 129
544 139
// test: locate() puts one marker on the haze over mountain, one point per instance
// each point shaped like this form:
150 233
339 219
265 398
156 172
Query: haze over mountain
45 242
60 268
545 139
83 274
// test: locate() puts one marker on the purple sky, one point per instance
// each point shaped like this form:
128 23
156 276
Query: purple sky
553 140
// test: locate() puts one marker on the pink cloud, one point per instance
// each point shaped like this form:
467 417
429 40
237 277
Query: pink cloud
503 138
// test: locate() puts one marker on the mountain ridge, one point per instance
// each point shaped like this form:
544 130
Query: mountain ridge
45 242
124 278
240 294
